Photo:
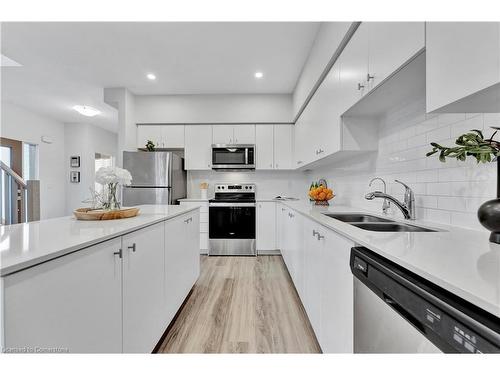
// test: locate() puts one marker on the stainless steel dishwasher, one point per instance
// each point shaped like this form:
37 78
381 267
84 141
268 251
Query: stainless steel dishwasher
397 311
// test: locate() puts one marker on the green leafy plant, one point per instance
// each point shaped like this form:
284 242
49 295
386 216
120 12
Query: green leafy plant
150 146
472 144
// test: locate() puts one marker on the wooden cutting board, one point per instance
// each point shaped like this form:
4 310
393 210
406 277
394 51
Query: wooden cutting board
90 214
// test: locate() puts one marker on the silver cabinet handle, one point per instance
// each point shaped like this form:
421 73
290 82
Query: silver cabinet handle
299 162
315 233
283 209
291 215
360 86
132 247
119 253
188 220
320 237
369 77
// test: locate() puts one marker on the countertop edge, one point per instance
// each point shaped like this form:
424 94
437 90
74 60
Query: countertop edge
9 270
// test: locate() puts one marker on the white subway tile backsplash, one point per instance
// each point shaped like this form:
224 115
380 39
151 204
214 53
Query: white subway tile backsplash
450 118
430 175
451 203
439 188
448 193
438 134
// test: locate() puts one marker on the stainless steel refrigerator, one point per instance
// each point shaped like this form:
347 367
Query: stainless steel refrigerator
157 178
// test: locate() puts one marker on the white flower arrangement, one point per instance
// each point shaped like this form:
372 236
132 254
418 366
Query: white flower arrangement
113 175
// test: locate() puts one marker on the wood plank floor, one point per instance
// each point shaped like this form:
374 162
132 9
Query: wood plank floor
242 305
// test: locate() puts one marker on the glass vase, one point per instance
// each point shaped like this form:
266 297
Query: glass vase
112 202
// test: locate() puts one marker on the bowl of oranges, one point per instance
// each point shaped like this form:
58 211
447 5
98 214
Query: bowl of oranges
320 194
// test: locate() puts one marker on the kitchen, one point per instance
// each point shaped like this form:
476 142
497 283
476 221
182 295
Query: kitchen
334 195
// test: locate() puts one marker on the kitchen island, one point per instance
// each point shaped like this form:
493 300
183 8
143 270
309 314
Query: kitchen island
97 286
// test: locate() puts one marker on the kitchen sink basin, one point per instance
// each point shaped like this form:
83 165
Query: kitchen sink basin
391 227
358 218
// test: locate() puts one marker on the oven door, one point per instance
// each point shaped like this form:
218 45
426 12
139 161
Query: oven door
232 229
233 157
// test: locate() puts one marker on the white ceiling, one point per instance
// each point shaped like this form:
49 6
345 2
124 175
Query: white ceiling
64 64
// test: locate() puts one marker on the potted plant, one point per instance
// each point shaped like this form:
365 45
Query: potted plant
473 144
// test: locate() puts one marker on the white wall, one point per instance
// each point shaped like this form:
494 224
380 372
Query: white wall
124 101
85 140
269 183
213 108
329 36
447 193
23 125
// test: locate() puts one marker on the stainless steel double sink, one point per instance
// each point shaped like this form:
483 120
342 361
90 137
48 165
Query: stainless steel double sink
375 223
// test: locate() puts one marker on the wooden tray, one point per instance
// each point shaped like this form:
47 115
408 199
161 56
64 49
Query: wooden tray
90 214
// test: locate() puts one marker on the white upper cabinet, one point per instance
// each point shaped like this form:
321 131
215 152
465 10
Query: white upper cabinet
198 147
283 146
223 134
274 146
163 136
234 134
390 45
354 68
147 133
264 158
462 59
244 134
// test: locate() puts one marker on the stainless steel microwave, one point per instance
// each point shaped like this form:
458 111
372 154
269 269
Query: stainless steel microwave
233 157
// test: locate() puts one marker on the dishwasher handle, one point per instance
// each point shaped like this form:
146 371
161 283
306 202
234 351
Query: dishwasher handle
404 313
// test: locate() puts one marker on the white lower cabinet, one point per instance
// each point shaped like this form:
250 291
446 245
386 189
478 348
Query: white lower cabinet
266 226
182 261
143 288
73 303
102 299
317 259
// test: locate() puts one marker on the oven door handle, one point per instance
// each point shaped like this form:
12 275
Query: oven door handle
228 204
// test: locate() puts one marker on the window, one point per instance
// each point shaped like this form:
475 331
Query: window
30 161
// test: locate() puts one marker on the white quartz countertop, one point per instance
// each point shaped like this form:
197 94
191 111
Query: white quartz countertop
27 244
461 261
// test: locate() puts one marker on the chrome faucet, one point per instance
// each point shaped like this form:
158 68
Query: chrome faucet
407 207
386 204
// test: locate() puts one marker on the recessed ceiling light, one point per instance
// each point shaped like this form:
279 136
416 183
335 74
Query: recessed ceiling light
86 110
151 76
259 74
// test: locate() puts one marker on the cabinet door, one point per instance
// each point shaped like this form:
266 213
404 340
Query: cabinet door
182 260
244 134
283 146
266 226
264 136
336 295
462 58
304 146
296 248
72 302
198 147
390 45
315 238
223 134
354 68
147 133
143 289
172 136
325 127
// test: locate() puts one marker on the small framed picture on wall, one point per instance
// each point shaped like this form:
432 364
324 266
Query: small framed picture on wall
74 162
74 176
